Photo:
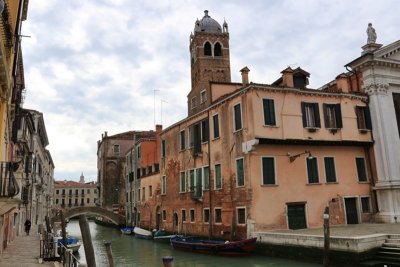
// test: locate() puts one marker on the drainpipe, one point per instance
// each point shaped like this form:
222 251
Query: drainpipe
351 84
209 175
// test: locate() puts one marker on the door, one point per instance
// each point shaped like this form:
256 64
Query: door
351 210
175 223
297 216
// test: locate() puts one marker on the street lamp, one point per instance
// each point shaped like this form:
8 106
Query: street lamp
294 157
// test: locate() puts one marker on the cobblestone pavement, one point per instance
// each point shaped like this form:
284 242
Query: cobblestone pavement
351 230
23 251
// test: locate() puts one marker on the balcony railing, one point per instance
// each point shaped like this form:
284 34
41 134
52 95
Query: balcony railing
8 184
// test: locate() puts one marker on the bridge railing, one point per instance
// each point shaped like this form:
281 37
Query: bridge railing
67 257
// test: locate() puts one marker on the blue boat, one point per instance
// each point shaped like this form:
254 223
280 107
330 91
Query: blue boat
72 243
127 230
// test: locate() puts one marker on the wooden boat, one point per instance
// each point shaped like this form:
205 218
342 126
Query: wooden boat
142 233
163 238
127 230
72 243
214 247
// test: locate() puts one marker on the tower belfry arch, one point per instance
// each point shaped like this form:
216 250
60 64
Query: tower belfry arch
210 60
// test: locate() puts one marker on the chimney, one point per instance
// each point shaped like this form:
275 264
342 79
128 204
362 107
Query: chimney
342 83
287 77
245 75
105 134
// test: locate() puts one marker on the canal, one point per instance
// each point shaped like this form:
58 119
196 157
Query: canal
130 251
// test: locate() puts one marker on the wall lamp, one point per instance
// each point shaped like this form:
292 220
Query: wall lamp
294 157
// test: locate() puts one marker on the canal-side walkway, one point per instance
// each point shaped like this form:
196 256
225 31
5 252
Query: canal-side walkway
23 251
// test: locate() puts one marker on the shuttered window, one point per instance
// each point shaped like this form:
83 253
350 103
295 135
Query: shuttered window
310 112
361 172
218 178
182 140
239 172
396 102
237 117
363 118
216 125
330 173
182 182
268 170
269 112
332 116
312 170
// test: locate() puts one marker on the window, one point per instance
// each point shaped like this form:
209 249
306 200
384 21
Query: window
144 194
163 148
163 185
237 117
150 190
70 192
217 50
241 215
361 172
206 178
56 200
363 118
192 215
204 131
182 140
182 187
206 215
216 126
116 149
57 191
156 167
239 172
207 49
269 112
396 102
76 191
191 180
143 171
63 191
365 206
63 202
164 215
218 178
88 191
218 215
332 116
138 173
310 113
95 191
138 194
183 215
76 201
203 96
139 151
268 170
312 170
82 201
198 189
88 200
330 173
193 102
83 191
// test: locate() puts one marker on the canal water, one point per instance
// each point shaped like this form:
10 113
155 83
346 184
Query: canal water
131 251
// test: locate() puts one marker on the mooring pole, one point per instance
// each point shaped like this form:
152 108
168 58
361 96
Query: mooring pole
87 241
63 231
109 254
326 237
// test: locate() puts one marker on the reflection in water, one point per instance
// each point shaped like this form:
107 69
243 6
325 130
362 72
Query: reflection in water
130 251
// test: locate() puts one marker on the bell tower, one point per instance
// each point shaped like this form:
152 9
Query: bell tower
209 60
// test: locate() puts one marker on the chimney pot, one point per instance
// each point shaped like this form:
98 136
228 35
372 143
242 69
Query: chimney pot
245 75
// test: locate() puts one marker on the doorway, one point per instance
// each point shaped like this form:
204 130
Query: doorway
351 210
296 216
175 223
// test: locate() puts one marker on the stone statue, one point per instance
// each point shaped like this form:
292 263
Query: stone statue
371 34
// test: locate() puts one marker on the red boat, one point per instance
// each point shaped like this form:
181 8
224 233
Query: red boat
214 247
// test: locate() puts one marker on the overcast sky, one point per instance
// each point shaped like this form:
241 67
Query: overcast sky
92 66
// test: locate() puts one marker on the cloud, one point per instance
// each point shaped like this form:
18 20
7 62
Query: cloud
92 66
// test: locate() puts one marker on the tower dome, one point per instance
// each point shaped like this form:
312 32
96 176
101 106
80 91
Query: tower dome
207 24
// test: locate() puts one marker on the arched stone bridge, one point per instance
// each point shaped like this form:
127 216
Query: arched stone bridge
76 211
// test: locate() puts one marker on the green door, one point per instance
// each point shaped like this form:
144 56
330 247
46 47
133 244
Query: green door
297 216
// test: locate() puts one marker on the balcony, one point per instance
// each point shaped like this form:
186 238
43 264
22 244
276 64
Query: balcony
8 184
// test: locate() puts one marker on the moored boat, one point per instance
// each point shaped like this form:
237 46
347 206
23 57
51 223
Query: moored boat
214 247
72 243
127 230
163 238
142 233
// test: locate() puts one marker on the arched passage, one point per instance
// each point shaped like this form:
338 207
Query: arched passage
73 212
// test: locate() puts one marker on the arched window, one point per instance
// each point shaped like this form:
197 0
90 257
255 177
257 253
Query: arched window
207 49
217 50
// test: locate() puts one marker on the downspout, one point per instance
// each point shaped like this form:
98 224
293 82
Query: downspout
209 176
357 82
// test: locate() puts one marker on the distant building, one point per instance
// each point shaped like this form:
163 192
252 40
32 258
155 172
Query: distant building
111 160
69 194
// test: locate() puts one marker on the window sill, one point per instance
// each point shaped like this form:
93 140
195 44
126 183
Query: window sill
331 182
313 184
364 131
312 129
268 185
239 130
270 126
182 192
239 186
217 223
217 189
182 150
216 138
241 224
363 182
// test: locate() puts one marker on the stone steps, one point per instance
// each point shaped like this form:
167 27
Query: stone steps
389 253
